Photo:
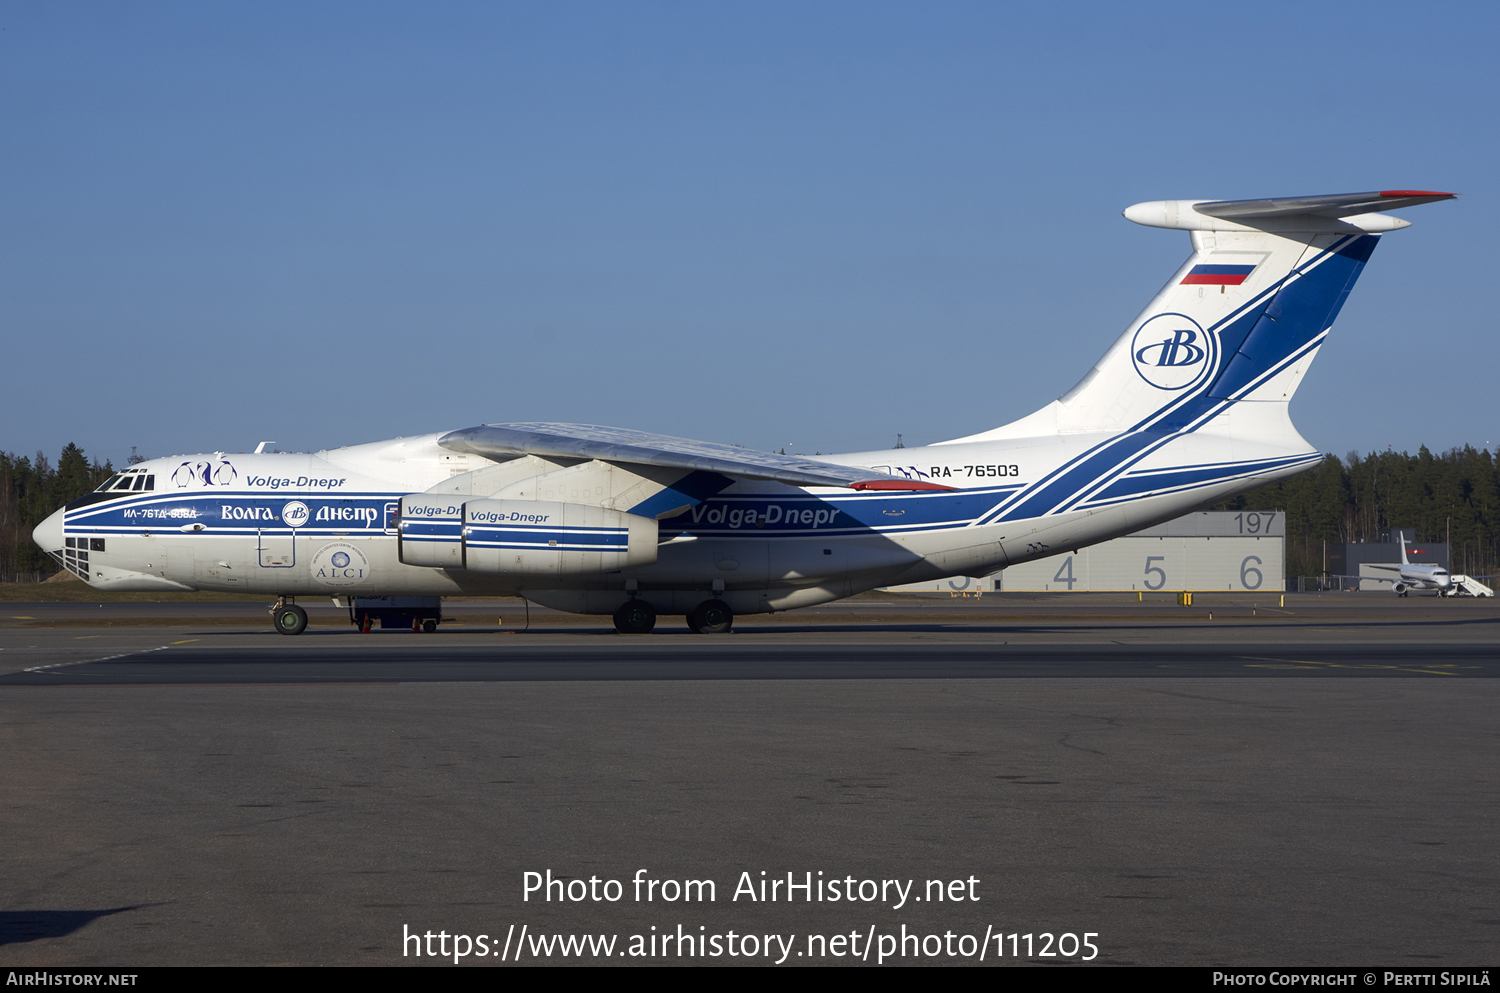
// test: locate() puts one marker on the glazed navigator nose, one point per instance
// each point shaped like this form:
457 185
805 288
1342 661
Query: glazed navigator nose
49 535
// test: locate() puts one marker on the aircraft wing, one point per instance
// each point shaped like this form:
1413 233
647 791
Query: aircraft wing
591 441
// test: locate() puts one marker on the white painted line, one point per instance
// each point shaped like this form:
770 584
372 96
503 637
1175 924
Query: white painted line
61 665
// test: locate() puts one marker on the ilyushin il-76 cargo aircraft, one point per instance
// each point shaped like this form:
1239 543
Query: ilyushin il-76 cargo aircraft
1187 407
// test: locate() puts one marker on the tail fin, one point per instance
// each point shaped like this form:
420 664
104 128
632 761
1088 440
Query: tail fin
1240 321
1403 549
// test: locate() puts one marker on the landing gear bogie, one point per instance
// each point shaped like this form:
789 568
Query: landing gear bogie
711 617
635 617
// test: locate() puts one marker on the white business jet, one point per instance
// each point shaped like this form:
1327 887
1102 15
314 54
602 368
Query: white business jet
1412 576
1187 407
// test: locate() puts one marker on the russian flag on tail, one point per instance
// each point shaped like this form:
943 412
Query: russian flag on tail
1217 275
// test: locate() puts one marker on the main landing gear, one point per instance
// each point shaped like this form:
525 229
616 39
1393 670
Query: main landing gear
288 617
711 617
636 617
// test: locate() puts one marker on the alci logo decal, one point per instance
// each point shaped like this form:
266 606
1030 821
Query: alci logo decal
1173 352
295 514
339 564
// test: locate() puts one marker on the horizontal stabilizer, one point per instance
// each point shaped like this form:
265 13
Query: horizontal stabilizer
591 441
1330 205
1346 213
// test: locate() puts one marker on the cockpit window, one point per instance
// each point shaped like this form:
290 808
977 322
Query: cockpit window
139 482
108 484
124 483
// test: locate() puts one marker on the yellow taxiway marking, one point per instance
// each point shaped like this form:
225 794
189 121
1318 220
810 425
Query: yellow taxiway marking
184 642
83 636
22 617
1435 670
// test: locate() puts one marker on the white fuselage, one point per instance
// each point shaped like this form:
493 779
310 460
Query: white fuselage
1415 576
1426 577
325 524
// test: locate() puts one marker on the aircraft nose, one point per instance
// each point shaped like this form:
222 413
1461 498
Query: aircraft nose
49 534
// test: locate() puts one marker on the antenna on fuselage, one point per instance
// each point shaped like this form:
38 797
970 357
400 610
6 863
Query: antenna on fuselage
261 448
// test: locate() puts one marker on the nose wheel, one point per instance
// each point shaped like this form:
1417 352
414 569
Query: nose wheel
290 619
711 617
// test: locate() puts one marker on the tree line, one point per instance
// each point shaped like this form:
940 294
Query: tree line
1352 499
30 490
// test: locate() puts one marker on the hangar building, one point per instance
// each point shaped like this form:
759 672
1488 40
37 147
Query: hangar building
1209 550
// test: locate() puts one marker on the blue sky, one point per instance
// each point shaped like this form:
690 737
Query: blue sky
810 225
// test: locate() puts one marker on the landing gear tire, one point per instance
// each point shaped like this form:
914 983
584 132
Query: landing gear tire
636 617
711 617
290 619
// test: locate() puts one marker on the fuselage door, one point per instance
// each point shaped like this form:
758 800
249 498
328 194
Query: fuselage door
277 549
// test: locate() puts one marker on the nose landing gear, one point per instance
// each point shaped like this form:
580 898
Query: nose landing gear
288 617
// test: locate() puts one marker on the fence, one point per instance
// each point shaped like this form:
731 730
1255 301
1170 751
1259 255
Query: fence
1318 584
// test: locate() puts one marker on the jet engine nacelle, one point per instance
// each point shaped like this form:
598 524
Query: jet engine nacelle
522 537
431 531
1399 589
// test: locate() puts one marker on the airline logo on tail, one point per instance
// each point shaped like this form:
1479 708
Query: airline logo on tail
1173 352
